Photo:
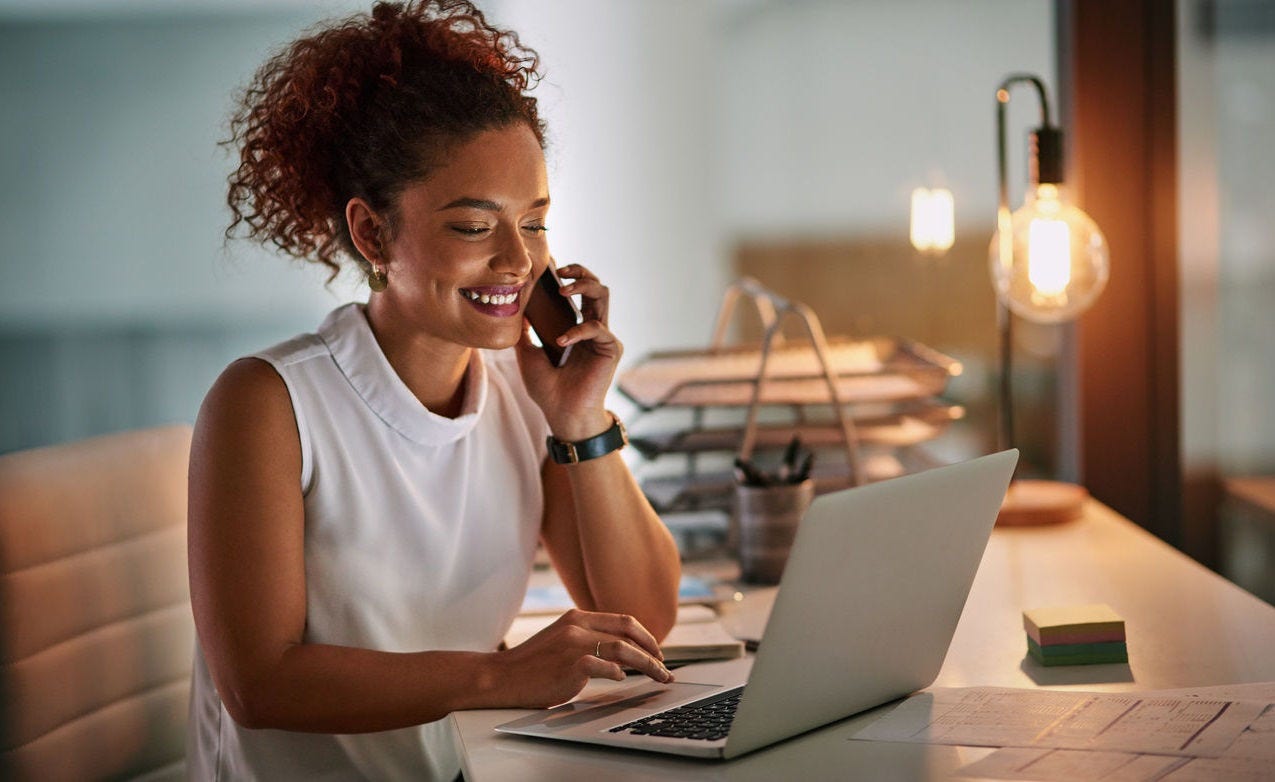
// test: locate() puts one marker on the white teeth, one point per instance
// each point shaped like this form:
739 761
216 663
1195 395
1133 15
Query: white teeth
491 298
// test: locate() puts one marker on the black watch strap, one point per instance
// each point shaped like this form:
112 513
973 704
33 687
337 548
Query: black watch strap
612 439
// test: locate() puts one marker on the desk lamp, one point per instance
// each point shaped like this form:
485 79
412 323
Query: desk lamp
1049 262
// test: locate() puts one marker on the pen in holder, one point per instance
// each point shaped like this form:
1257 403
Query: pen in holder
765 523
768 508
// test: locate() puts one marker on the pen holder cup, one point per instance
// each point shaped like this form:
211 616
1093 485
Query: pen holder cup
763 526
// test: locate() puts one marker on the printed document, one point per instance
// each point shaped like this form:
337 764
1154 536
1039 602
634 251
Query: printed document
1223 733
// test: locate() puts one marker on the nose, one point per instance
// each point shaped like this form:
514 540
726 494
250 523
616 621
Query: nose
514 256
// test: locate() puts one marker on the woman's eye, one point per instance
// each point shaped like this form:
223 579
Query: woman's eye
537 229
471 230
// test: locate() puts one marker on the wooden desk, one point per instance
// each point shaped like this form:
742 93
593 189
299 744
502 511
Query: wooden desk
1185 627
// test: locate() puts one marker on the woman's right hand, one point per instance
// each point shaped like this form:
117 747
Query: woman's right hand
553 665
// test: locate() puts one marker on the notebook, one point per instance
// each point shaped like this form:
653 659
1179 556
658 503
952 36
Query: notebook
698 635
864 614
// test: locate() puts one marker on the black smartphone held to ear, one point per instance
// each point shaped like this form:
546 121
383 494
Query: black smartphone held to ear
551 314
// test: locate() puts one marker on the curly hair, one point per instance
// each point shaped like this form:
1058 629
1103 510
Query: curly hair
363 108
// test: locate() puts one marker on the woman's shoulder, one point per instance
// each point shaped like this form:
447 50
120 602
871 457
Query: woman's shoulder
255 387
250 388
293 351
258 379
259 386
246 417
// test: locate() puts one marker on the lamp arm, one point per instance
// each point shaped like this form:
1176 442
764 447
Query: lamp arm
1020 78
1005 237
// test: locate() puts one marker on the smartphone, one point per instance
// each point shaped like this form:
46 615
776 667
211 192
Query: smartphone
551 314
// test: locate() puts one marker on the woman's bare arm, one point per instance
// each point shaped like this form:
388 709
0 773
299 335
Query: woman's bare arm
611 549
608 545
248 591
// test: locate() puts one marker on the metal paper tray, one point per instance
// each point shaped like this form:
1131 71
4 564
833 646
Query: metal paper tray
907 424
715 490
869 370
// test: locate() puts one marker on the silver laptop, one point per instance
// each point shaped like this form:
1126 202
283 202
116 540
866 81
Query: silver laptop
869 600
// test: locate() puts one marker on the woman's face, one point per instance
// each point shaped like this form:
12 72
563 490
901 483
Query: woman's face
470 241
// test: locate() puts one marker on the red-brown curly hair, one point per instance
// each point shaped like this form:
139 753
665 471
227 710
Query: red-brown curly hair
362 109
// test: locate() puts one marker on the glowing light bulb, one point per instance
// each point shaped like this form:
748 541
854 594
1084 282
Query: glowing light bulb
1055 262
933 226
1048 257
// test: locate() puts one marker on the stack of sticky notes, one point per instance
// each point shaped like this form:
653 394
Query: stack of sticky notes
1075 635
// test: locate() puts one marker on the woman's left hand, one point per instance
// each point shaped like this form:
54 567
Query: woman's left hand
573 396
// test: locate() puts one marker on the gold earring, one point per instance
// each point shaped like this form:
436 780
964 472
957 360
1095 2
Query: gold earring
377 280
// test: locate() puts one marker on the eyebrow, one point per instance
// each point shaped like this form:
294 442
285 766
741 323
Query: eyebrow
487 204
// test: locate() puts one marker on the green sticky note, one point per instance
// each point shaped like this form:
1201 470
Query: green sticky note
1078 654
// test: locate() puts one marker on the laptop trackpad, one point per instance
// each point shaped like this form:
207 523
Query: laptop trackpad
612 708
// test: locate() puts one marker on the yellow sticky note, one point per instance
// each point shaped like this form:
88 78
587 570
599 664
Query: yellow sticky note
1073 624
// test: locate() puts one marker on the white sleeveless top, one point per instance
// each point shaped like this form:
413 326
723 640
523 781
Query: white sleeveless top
419 535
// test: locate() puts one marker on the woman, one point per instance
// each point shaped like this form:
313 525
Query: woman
365 501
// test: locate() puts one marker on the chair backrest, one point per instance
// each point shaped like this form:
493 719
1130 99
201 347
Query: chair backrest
96 633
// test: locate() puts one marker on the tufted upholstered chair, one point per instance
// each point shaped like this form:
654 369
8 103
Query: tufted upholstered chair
96 632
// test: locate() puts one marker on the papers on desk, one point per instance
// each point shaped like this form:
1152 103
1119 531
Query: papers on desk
553 598
1055 735
698 635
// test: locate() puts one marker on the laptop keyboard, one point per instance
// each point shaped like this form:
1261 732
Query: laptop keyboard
705 720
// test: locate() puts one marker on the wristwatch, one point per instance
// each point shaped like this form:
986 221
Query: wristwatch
613 439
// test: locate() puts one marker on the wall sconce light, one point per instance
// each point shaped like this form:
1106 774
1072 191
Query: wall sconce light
933 226
1049 262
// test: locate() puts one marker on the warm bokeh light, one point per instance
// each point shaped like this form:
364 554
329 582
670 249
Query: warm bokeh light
1048 257
933 228
1057 262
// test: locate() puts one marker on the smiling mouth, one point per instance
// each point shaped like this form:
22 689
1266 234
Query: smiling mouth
489 298
496 299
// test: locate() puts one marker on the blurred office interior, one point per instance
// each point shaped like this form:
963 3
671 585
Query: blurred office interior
690 143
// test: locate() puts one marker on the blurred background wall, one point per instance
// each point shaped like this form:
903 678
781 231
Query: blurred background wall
690 142
678 132
1226 82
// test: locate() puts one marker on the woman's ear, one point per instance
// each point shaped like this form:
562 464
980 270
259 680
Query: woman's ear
366 231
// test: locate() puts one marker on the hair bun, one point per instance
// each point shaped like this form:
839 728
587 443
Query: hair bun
363 107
